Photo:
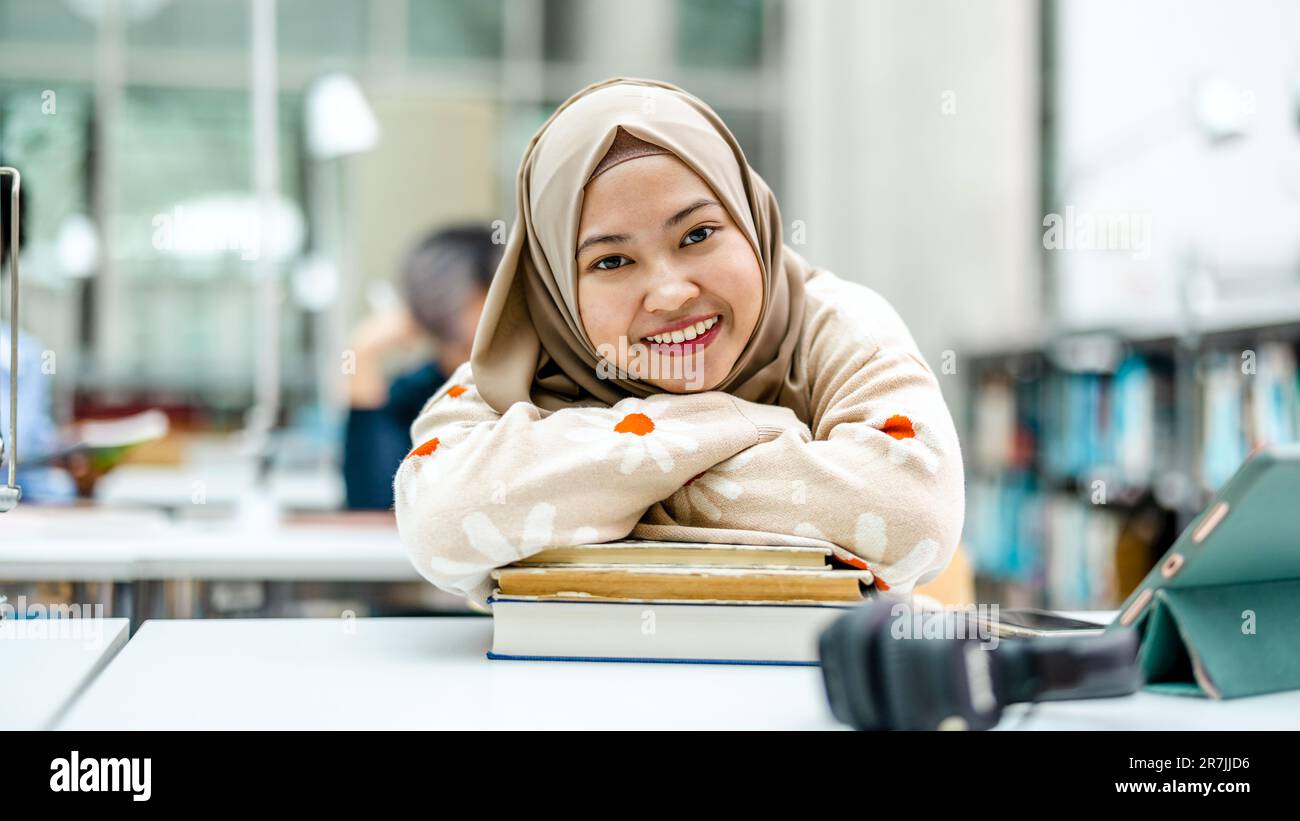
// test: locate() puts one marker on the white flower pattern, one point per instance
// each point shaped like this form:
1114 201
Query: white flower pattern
492 547
585 535
705 493
870 539
637 429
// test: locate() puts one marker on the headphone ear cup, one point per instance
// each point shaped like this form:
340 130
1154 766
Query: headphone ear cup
924 683
849 669
833 650
896 663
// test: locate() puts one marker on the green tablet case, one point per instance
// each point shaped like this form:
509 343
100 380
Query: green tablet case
1219 616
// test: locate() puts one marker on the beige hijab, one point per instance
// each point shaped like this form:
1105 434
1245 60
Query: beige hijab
531 346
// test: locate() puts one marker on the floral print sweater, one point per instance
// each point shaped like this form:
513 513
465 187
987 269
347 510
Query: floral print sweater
878 472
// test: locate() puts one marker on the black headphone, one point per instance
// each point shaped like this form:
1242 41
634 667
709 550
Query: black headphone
886 668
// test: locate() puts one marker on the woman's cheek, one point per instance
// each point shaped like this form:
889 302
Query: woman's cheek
744 288
612 321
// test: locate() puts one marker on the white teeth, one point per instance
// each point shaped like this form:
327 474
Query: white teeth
684 334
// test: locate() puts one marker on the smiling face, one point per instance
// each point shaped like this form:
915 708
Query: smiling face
665 271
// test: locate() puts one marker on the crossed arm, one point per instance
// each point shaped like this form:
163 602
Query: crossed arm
878 474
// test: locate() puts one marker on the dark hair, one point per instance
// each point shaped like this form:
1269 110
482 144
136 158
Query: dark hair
442 273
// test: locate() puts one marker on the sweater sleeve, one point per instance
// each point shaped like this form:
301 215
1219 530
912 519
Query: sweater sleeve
480 489
883 476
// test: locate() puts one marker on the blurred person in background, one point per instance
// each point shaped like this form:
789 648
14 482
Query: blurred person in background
444 281
40 474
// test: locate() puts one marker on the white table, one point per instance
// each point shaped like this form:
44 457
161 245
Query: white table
47 663
432 674
1151 711
417 674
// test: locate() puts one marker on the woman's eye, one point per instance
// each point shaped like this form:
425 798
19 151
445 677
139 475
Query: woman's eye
615 262
698 235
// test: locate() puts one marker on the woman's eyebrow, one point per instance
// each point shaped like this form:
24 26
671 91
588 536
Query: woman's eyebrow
669 223
613 238
687 211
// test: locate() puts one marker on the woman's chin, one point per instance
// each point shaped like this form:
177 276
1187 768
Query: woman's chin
673 386
695 384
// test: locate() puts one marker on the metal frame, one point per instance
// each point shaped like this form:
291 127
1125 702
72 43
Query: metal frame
11 493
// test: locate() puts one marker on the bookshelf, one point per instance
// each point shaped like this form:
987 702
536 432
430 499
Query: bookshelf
1088 455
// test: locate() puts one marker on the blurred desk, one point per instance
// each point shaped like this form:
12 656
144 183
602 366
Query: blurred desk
49 662
287 552
89 544
221 484
432 674
143 565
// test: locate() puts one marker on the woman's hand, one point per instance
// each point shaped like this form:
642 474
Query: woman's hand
382 332
377 335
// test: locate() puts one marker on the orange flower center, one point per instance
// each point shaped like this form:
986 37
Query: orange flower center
899 427
455 391
425 449
637 423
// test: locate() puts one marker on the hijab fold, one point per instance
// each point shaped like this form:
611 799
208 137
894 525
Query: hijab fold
531 346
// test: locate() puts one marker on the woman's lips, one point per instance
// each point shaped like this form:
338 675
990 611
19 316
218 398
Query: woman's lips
689 347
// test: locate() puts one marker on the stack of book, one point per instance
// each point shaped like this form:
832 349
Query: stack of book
639 600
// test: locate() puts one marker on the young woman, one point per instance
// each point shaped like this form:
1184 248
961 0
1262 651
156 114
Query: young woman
653 361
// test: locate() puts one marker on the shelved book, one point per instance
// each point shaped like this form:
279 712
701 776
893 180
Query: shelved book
674 602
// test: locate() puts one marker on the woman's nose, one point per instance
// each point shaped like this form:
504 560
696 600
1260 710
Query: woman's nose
670 291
